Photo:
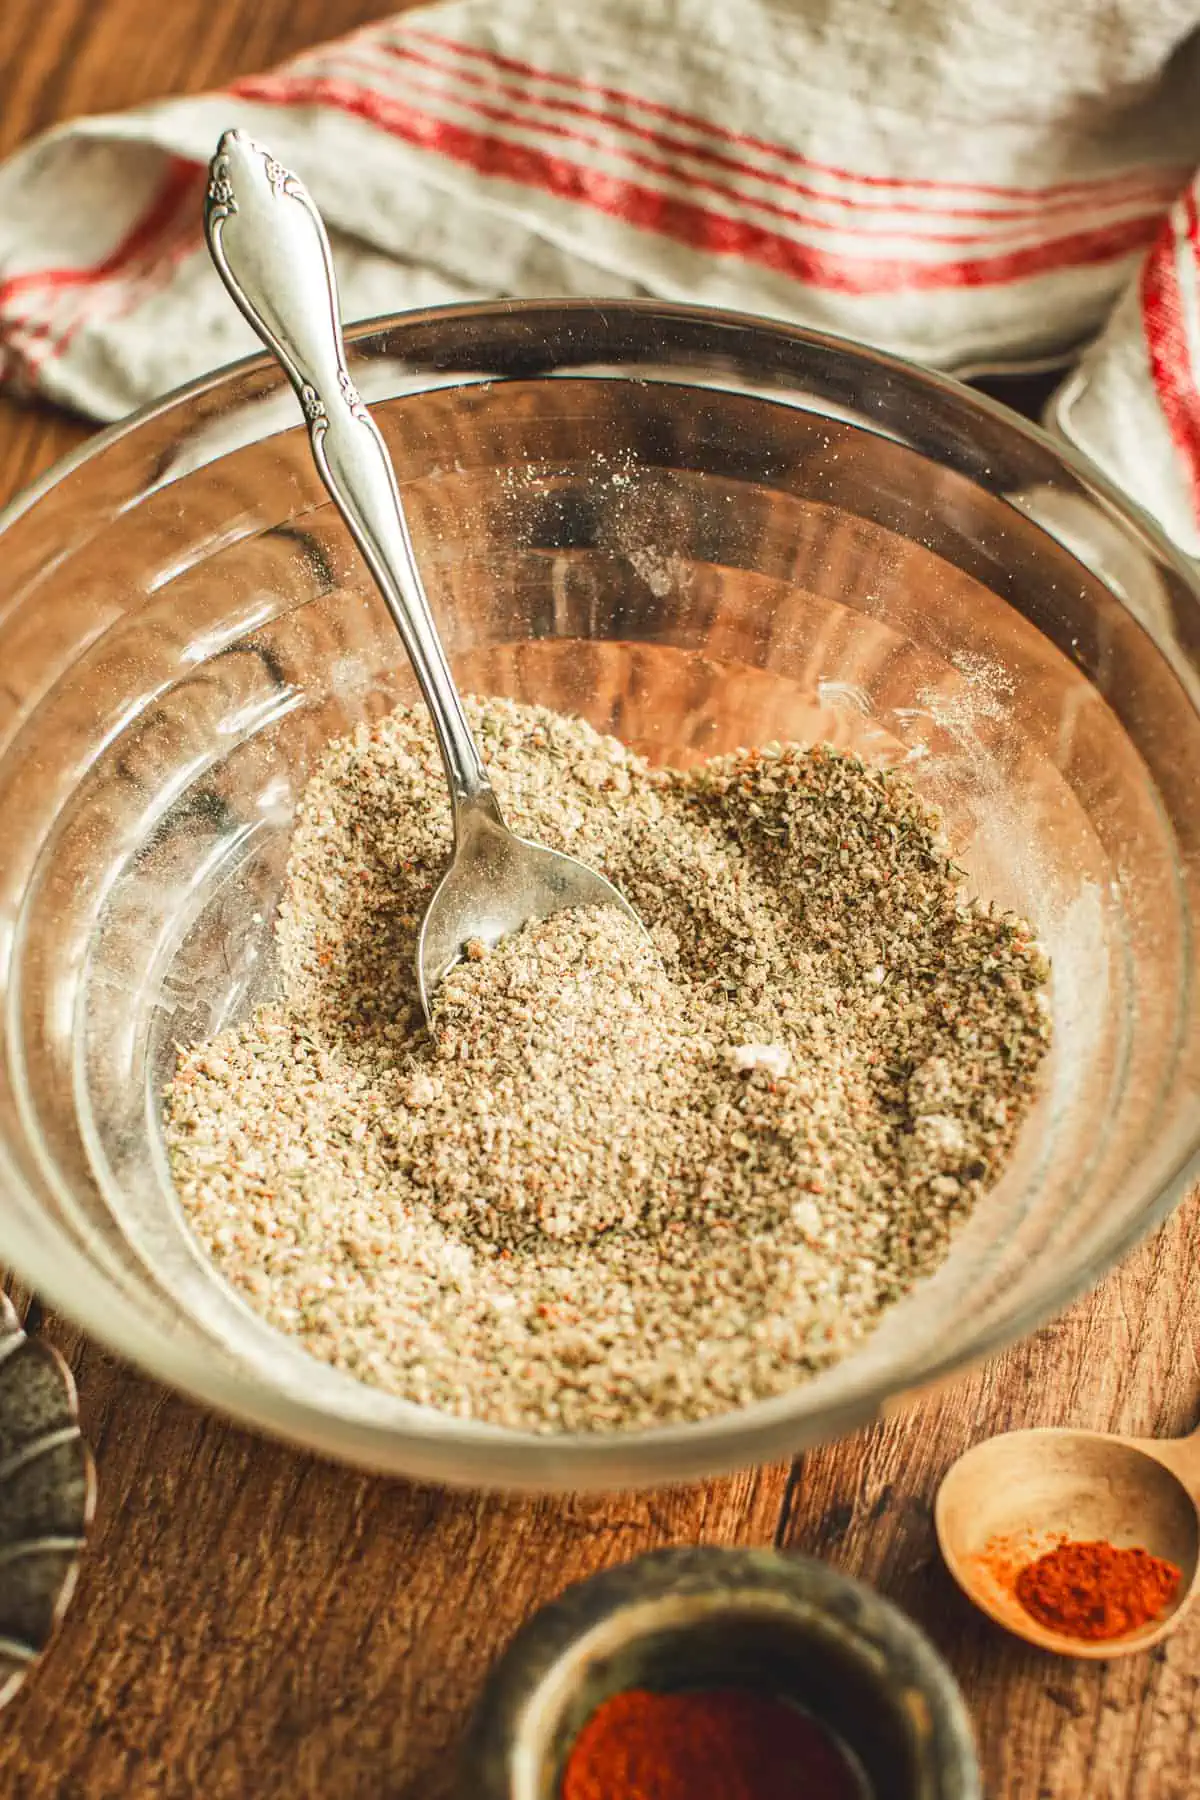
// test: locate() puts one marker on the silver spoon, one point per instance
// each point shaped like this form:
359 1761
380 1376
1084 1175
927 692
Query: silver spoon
266 238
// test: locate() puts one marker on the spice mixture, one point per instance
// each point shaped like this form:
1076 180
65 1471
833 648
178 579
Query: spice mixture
1095 1590
618 1183
727 1744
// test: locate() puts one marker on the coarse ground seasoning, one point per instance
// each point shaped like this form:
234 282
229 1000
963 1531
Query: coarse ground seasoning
617 1185
1095 1590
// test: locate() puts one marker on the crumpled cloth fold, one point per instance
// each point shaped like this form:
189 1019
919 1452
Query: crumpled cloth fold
1004 185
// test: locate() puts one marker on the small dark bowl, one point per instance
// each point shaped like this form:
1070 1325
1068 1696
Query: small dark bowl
47 1496
698 1618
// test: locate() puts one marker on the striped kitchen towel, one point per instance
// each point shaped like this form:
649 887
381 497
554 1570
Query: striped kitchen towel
989 186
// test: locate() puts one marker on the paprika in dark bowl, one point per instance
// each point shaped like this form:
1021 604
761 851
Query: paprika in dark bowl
732 1672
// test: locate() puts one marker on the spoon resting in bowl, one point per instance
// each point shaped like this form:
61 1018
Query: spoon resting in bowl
267 240
1010 1498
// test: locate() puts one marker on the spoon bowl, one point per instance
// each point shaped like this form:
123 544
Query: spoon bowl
496 883
1013 1497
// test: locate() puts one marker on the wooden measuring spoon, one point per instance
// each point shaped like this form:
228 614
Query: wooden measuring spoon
1013 1497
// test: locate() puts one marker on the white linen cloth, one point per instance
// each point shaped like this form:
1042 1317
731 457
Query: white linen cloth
973 185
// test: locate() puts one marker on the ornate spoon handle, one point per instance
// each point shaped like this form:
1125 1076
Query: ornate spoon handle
267 240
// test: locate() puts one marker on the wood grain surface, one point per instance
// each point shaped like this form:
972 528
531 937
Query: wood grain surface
251 1622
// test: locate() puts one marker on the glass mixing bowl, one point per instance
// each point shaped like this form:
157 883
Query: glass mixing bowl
699 531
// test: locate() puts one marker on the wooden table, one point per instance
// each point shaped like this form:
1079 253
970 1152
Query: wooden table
253 1624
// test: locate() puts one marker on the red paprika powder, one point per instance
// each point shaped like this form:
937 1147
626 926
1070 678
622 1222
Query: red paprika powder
725 1744
1093 1590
